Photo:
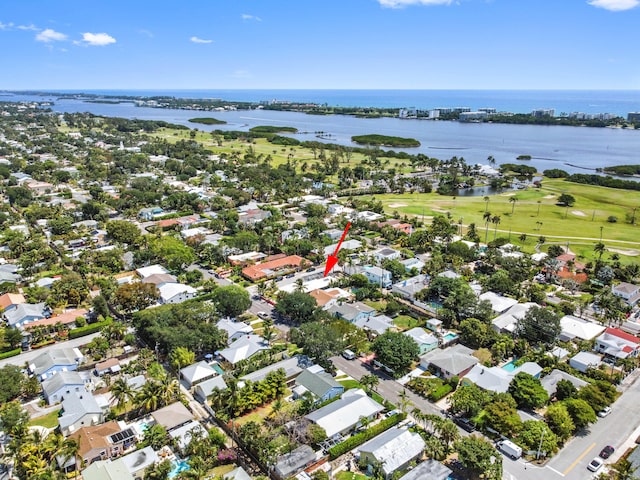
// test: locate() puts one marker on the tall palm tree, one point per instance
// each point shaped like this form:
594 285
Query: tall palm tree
513 201
495 220
448 432
121 391
599 248
487 219
623 470
404 402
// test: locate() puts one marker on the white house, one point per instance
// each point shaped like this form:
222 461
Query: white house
176 293
629 292
386 253
583 361
617 343
499 304
508 321
393 449
234 330
574 327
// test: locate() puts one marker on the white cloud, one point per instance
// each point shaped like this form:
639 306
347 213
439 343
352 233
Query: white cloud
31 27
250 17
48 35
96 39
200 40
5 26
615 5
406 3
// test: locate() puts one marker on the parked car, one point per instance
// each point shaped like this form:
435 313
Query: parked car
312 269
511 449
348 354
291 275
465 424
604 412
595 464
263 315
607 451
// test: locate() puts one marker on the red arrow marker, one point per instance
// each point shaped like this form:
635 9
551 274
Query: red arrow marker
333 259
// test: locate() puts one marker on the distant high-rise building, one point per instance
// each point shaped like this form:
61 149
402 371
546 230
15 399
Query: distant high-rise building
633 117
543 112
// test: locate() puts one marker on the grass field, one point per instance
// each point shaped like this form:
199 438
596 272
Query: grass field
405 322
535 213
50 420
351 476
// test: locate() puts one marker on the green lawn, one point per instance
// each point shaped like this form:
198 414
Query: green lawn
351 476
49 420
583 220
349 384
405 322
378 305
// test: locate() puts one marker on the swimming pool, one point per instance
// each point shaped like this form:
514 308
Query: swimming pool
178 466
449 337
511 366
217 368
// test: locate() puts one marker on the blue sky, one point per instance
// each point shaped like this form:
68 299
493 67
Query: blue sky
314 44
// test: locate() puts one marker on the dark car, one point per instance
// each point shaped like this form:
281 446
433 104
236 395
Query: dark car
291 275
312 269
465 424
607 451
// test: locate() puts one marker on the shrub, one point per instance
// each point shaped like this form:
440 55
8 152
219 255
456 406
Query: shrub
440 392
88 329
359 438
10 353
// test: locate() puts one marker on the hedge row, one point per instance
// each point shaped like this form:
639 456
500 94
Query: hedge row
440 392
10 353
359 438
88 329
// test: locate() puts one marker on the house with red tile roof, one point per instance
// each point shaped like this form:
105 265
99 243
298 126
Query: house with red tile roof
273 268
617 343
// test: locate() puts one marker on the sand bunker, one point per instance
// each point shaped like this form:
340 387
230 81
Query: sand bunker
508 194
578 213
630 252
397 205
550 196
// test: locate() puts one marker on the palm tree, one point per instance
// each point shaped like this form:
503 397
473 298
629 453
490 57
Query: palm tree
623 469
599 248
513 201
448 432
487 219
150 396
523 237
486 203
539 203
121 391
369 382
404 402
495 220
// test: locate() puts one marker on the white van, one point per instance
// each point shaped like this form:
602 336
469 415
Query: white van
348 354
510 448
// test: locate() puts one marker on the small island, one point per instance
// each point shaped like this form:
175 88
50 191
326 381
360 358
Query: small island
385 141
273 129
207 121
622 170
523 157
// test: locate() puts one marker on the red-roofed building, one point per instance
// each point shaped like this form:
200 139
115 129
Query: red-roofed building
617 343
65 318
170 222
273 268
397 225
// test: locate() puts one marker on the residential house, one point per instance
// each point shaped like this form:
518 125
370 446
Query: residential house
244 259
452 361
408 288
55 360
393 449
574 327
345 414
111 365
425 341
550 382
106 470
102 442
253 216
63 383
182 435
172 416
497 379
203 390
196 373
234 330
289 365
9 301
289 464
377 325
507 322
79 409
329 297
320 383
347 246
617 344
366 215
47 282
39 188
397 225
24 313
429 469
145 272
352 312
137 462
376 275
237 474
383 254
159 279
411 264
172 293
629 292
243 348
333 234
273 268
499 304
583 361
67 318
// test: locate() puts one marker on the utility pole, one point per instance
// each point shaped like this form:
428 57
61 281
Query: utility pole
540 444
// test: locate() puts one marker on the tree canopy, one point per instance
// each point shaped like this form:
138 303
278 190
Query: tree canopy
396 351
298 306
231 300
527 391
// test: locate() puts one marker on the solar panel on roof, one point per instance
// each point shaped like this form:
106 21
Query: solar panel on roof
122 436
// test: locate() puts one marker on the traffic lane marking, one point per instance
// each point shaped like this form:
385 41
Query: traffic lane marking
577 460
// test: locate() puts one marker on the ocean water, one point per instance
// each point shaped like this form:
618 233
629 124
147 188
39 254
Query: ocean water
575 149
619 102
